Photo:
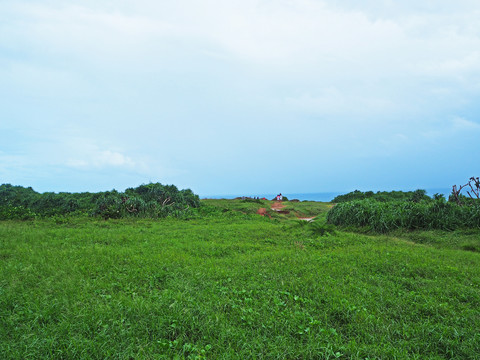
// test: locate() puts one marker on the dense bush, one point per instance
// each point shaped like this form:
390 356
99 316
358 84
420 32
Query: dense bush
386 216
14 198
151 200
16 212
415 196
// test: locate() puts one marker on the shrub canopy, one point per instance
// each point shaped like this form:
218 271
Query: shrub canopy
151 200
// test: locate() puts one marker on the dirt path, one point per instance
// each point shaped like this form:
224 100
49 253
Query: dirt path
277 206
307 218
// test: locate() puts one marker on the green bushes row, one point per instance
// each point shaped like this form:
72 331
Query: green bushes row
387 216
152 200
417 195
17 202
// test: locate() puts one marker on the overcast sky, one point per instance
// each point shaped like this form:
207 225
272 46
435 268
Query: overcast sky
234 97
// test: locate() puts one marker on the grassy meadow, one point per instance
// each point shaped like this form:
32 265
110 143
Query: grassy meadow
226 283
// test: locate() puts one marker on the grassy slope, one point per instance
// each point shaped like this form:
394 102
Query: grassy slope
231 287
295 209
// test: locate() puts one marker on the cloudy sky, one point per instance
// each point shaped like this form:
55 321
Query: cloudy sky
233 97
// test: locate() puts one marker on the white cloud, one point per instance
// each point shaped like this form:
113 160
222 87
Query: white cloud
471 62
112 158
156 85
84 153
30 79
455 126
102 159
317 48
79 34
279 35
331 101
461 124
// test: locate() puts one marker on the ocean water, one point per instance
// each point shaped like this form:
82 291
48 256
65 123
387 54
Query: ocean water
320 196
324 197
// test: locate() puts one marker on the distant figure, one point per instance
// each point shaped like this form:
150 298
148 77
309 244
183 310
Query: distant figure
281 197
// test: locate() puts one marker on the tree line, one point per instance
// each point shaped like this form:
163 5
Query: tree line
152 200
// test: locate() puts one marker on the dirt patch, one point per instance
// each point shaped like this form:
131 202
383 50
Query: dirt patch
277 206
263 212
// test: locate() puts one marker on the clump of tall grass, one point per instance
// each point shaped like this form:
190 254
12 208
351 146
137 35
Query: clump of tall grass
387 216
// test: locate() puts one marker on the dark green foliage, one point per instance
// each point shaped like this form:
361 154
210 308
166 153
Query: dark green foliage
8 212
415 196
17 195
151 200
49 204
419 195
321 229
387 216
109 206
14 198
461 199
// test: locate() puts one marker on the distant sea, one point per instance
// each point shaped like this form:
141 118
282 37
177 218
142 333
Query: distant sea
324 197
321 196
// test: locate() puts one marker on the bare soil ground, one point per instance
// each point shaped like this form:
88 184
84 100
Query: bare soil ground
277 206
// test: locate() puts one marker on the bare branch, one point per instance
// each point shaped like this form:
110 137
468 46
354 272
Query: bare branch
475 189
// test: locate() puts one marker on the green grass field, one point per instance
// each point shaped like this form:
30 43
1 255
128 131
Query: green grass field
229 284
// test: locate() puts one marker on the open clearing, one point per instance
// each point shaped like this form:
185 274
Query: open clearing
230 284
